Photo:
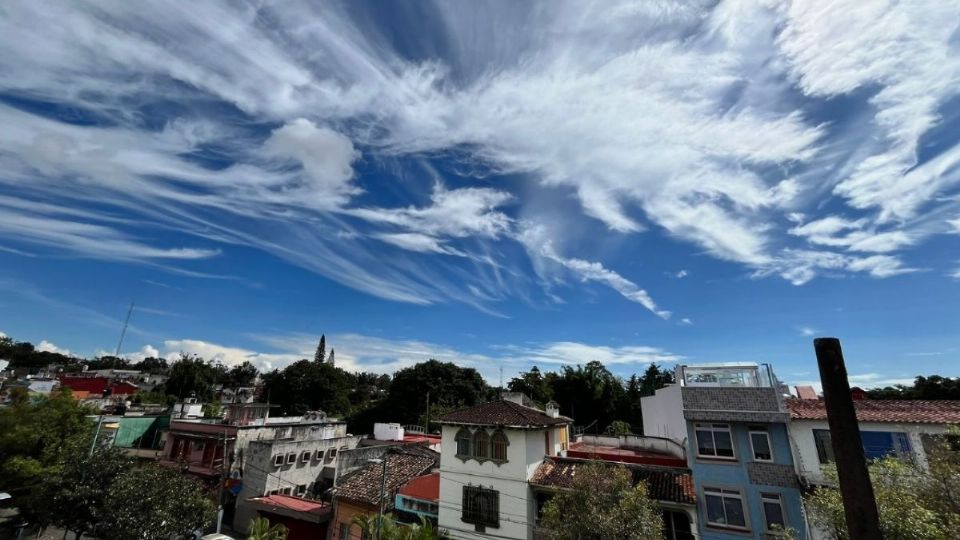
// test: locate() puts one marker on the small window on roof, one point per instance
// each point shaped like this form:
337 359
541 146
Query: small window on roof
318 455
332 453
278 460
291 458
305 456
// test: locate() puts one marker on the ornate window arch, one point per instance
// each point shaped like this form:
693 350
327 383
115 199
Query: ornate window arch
498 445
481 444
463 442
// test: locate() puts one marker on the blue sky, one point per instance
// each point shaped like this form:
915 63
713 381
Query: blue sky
498 184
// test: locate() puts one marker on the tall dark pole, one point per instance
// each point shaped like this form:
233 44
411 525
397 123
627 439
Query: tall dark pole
859 504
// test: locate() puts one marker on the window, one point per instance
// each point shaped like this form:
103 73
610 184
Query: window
463 442
301 490
676 525
821 437
876 444
714 441
305 456
481 507
278 460
287 491
724 508
481 444
318 455
331 454
760 445
499 446
773 511
291 458
344 531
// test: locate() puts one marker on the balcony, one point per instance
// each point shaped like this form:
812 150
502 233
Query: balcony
731 392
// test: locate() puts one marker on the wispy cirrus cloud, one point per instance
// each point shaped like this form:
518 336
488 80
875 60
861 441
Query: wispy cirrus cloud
272 126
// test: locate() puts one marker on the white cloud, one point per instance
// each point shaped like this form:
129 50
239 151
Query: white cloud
539 247
672 118
806 331
228 356
686 321
681 274
47 346
326 157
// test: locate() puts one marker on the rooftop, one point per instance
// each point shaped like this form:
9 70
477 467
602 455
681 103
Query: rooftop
502 413
287 505
425 488
624 454
883 410
97 385
663 483
403 465
737 375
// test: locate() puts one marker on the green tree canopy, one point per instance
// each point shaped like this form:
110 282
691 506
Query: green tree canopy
915 503
154 503
191 375
533 384
930 387
241 375
304 386
605 505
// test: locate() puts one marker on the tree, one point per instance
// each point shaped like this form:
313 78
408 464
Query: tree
321 355
533 384
191 375
930 387
74 491
304 386
605 504
260 529
914 503
212 410
330 359
241 375
590 393
154 503
389 529
618 427
33 432
449 384
152 365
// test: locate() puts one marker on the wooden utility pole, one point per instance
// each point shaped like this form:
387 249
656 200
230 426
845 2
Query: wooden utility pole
859 504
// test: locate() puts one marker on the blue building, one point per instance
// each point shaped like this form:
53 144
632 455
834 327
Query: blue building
733 421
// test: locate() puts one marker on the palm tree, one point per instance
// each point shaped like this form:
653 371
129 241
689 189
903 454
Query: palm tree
260 529
390 530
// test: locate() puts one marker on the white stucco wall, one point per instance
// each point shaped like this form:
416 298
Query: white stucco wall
805 448
524 453
663 414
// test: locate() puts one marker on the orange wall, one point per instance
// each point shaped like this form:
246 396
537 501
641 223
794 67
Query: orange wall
344 514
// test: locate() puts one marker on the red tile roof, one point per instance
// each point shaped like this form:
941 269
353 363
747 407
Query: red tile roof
663 483
404 463
624 454
502 413
425 488
883 410
96 385
294 503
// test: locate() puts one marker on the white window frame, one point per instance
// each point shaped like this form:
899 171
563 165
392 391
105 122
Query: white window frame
286 491
713 427
330 456
753 452
301 490
291 458
318 455
305 456
279 460
732 493
772 497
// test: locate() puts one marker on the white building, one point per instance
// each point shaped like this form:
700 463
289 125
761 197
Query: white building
490 453
887 427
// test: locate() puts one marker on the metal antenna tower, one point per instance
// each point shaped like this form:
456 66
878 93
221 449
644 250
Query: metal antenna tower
123 332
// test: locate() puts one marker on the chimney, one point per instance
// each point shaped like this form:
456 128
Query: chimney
553 409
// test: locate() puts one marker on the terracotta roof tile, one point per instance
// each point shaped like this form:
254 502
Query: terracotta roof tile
883 410
403 464
425 488
663 483
502 413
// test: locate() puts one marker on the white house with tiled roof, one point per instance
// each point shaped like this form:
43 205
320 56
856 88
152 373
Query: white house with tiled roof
904 427
489 454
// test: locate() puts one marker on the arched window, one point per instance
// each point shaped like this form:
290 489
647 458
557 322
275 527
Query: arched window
463 442
499 446
481 444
